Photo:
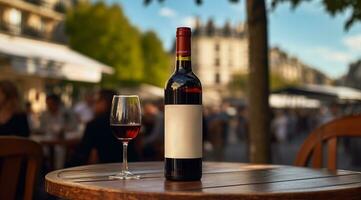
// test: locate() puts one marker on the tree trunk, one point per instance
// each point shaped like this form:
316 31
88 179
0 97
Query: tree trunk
259 132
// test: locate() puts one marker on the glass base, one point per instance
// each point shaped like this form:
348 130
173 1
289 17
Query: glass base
124 175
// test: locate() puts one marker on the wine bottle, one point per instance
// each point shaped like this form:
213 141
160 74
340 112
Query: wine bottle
183 116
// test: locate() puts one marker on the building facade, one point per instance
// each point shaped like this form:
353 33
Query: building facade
289 68
34 55
353 76
293 70
216 56
40 19
218 53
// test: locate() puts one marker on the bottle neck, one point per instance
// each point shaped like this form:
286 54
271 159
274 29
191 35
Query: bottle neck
183 63
183 50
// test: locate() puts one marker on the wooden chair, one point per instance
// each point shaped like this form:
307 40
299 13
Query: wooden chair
14 152
349 126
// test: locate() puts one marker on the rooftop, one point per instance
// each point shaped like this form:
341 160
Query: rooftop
210 29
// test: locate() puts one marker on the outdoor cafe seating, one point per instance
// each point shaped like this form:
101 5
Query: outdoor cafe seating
15 151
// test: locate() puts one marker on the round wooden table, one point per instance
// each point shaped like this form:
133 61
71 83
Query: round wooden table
220 181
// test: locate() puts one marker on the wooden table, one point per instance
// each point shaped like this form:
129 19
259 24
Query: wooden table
220 181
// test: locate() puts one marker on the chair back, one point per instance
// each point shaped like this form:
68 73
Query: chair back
312 148
14 153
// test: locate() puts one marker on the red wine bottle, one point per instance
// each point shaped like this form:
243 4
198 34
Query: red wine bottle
183 116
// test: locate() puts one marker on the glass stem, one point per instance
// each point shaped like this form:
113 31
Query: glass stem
125 157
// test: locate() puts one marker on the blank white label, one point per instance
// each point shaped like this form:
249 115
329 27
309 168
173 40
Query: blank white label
183 131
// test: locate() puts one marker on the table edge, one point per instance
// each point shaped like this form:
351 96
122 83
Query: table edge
51 182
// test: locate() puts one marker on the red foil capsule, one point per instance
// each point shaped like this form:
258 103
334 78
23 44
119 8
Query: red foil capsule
183 45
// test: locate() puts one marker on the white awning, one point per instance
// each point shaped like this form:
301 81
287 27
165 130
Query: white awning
342 92
34 57
292 101
144 91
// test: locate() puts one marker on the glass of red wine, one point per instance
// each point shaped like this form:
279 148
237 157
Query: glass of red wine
125 122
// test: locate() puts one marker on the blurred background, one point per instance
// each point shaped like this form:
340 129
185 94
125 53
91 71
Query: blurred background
56 55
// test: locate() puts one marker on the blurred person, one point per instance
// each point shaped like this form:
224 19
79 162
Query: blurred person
149 112
291 123
215 122
84 110
13 121
329 113
242 123
148 123
154 141
225 118
279 126
99 136
56 120
31 116
207 145
312 119
205 124
303 121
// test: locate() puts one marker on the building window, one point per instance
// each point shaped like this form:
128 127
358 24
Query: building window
33 26
14 17
13 20
217 62
217 78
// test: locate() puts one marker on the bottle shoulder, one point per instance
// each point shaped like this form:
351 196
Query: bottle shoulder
180 80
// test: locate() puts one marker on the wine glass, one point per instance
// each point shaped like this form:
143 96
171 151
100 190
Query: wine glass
125 122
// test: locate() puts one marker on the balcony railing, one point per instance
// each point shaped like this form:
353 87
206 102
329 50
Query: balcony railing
59 6
23 30
36 2
38 7
33 32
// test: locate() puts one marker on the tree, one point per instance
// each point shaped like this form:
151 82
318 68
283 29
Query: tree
156 60
259 73
239 83
104 33
278 82
333 7
259 110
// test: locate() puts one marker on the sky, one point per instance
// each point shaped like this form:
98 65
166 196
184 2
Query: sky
307 32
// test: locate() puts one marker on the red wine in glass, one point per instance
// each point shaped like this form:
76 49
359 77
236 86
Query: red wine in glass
125 132
125 121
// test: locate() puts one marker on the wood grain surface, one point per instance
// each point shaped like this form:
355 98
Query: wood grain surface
220 181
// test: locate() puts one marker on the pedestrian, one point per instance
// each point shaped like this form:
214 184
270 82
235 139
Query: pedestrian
13 120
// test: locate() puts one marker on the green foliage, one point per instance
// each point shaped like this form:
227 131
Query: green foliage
278 81
104 33
156 61
333 7
239 82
